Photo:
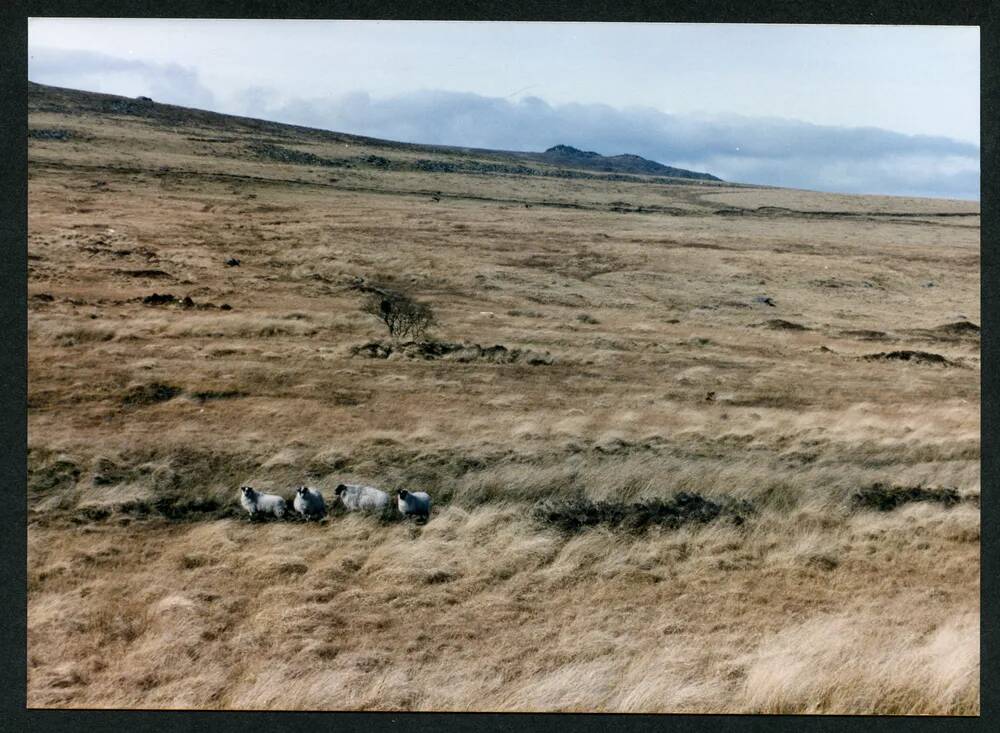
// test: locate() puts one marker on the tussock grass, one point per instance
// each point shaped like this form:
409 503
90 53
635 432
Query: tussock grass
239 326
81 335
870 666
480 609
613 473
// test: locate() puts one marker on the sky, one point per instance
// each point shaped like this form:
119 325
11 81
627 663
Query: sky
853 109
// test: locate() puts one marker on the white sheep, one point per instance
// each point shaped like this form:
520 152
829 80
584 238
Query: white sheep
357 498
257 502
309 502
413 503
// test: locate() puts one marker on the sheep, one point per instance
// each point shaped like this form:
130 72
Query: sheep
256 502
357 498
413 503
309 502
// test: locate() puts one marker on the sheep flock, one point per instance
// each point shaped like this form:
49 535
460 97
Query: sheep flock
309 503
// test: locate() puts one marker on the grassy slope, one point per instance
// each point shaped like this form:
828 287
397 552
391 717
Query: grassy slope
483 608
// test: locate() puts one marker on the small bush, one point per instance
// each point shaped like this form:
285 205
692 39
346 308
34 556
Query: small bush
402 316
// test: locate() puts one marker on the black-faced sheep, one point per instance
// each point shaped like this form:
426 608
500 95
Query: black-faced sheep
258 503
309 502
413 503
357 498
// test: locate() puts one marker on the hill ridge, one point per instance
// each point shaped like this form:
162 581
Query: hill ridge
43 97
623 163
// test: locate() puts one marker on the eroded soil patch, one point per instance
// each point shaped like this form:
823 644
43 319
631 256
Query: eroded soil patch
885 498
917 357
430 350
682 508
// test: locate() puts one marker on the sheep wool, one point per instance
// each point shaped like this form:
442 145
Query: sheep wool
413 503
357 498
257 502
309 502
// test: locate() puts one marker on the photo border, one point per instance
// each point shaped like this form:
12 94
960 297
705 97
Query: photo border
13 368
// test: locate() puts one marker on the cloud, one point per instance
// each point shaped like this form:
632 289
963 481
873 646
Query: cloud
98 72
765 150
771 151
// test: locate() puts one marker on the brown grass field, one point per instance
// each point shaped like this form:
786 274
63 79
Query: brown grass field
645 367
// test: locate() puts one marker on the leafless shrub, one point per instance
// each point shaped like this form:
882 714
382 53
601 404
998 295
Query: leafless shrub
404 317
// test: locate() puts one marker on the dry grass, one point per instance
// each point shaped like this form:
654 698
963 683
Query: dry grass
485 610
143 420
